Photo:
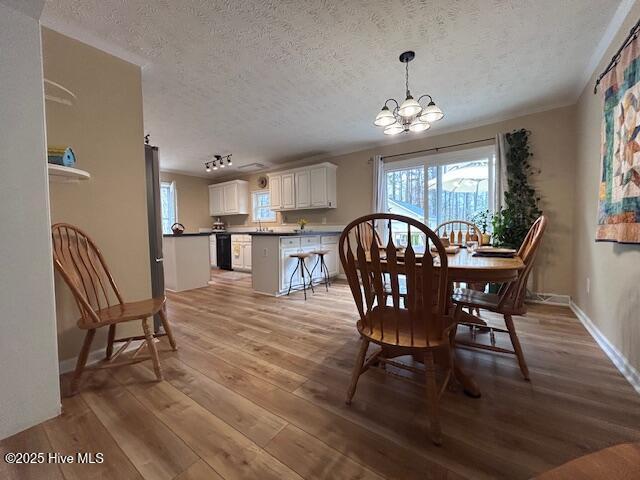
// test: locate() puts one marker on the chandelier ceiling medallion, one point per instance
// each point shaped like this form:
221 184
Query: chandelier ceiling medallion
218 161
410 116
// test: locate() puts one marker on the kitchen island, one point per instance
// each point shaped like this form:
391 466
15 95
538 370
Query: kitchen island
186 261
272 267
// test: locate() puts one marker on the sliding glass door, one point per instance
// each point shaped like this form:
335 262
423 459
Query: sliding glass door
440 187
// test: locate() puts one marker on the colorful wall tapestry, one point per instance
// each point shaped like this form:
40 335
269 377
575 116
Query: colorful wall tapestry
619 211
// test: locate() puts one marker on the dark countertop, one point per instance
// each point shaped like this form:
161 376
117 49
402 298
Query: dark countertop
171 235
295 234
272 234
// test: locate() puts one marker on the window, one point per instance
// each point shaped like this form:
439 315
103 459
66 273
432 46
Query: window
168 205
261 210
440 187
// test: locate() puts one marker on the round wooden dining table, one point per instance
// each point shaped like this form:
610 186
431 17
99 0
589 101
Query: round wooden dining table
465 267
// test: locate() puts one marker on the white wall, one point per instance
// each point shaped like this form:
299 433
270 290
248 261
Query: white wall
29 390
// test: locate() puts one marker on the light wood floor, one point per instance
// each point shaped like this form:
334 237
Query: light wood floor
256 391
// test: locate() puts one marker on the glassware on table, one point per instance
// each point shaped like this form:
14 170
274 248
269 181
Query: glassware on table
472 246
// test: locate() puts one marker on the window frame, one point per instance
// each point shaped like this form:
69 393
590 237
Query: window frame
254 206
173 194
439 160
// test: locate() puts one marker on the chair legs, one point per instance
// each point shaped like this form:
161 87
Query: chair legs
148 335
357 369
432 398
508 320
82 360
167 329
302 266
324 271
110 339
291 279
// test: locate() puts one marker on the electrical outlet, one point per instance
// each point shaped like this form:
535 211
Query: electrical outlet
588 285
265 252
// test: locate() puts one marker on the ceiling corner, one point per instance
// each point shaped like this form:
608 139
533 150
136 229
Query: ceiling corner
609 35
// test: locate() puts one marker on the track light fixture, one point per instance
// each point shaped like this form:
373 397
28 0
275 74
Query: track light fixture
217 162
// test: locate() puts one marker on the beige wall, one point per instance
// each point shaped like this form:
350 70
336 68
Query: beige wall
104 127
192 199
552 142
613 303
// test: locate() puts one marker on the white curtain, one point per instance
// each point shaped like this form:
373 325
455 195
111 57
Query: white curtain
378 200
501 172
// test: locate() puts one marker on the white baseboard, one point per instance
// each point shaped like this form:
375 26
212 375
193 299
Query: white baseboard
618 359
95 356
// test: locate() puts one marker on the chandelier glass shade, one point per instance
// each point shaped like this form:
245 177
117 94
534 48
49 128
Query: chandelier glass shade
217 162
410 115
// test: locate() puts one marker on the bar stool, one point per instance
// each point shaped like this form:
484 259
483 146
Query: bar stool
323 267
302 266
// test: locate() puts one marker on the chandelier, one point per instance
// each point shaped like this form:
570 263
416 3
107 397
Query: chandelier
410 116
218 161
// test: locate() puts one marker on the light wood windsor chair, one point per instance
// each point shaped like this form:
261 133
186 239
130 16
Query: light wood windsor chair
508 301
416 322
464 232
84 270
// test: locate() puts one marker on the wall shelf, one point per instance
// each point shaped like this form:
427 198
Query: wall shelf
51 86
58 173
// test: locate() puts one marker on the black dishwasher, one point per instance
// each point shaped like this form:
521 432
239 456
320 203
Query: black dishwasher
223 250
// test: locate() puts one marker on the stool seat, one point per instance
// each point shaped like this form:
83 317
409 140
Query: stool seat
320 252
300 255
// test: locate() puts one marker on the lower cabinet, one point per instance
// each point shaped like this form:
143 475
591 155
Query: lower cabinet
306 244
241 252
288 266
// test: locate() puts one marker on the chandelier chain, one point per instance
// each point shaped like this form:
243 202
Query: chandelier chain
407 77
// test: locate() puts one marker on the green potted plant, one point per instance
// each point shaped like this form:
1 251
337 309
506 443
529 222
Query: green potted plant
482 220
511 223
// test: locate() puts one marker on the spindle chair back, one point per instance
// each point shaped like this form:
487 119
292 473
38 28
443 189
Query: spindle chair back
83 268
408 321
459 232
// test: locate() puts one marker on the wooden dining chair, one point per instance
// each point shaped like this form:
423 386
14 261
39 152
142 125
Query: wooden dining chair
508 301
416 321
84 270
459 232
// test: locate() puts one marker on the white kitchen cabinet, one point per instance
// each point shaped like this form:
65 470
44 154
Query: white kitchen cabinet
272 266
318 186
229 198
241 252
216 205
213 258
288 191
303 189
275 192
246 256
331 259
237 259
288 266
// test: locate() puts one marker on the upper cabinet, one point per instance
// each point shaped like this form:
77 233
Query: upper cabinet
229 198
304 188
288 191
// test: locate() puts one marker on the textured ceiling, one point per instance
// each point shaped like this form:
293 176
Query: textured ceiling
274 81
